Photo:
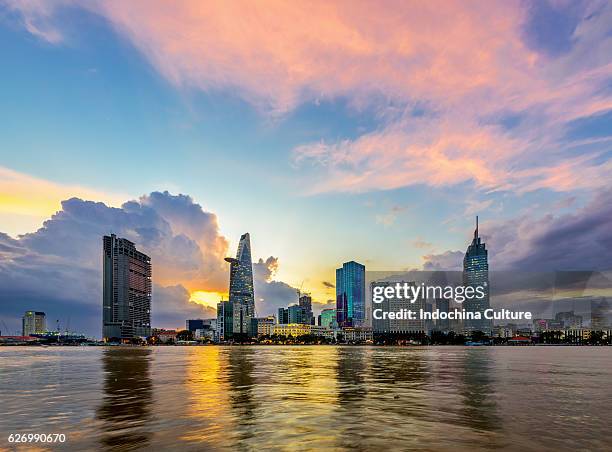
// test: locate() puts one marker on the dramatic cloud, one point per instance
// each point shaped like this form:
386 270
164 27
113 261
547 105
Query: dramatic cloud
328 285
530 242
577 241
57 269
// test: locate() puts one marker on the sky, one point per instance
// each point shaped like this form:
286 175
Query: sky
330 131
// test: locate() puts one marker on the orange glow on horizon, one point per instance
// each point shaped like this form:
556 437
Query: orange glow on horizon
205 298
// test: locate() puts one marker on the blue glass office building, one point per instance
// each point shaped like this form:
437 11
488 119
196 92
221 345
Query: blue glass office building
350 294
476 273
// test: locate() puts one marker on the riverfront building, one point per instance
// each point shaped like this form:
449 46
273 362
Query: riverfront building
126 290
476 273
327 318
263 326
305 302
33 322
234 316
350 294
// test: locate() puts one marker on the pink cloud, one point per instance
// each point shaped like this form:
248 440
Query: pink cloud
466 61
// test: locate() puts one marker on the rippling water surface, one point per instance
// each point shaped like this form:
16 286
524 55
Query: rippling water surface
302 398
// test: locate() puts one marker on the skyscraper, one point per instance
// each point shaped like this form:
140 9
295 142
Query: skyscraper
241 292
241 276
33 322
126 291
350 294
476 273
305 302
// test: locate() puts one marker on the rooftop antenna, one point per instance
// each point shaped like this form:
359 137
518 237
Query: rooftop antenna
476 230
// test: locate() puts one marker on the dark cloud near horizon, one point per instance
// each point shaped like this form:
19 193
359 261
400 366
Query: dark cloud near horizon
581 241
328 285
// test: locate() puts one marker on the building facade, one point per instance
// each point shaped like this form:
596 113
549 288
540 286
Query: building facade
33 322
476 273
328 318
241 276
126 292
305 302
263 326
350 294
283 316
241 292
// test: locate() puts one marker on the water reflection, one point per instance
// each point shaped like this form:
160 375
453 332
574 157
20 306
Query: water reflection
478 391
241 383
128 394
351 372
310 398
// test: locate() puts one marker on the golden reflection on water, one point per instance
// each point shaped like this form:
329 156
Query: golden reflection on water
208 395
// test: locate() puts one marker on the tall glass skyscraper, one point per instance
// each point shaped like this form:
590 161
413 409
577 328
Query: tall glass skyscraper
241 275
126 290
241 291
476 273
350 294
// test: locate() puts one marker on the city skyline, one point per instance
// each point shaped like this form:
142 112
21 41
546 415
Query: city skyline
368 136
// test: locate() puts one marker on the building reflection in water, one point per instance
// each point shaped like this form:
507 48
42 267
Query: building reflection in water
128 394
351 370
478 390
241 382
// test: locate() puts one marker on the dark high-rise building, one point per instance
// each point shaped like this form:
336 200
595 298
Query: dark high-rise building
476 273
305 302
126 291
350 294
283 316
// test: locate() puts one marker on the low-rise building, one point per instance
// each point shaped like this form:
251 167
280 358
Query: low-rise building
165 336
362 334
263 326
292 329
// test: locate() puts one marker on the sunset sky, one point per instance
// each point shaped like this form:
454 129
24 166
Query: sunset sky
331 131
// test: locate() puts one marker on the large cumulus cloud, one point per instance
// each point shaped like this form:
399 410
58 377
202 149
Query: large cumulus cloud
57 269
